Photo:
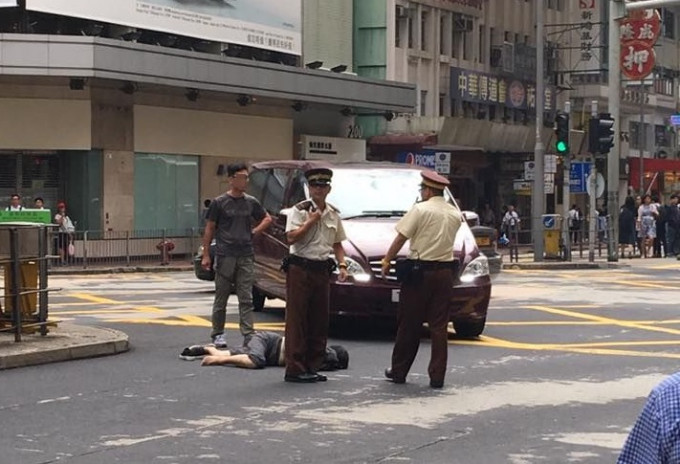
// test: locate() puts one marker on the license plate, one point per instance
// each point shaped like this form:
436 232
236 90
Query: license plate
483 241
395 296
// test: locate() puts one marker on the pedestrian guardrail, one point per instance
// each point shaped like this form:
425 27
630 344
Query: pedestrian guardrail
96 248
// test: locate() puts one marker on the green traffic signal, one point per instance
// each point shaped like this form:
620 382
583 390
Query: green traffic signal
562 133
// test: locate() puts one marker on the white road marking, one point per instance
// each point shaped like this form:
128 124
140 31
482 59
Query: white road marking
429 411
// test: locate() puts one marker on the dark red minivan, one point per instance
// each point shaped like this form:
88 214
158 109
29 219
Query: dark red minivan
371 198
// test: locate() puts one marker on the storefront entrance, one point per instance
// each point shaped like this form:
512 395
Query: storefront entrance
31 175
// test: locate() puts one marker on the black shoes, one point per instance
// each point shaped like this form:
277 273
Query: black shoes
391 377
436 384
305 377
193 352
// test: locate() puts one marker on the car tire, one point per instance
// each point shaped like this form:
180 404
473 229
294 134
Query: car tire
258 300
469 329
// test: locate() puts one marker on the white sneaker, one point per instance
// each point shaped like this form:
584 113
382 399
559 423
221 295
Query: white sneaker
219 341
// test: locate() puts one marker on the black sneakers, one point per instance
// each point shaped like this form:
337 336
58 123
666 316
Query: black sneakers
192 353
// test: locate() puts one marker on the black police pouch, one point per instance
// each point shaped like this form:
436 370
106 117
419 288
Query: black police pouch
285 263
408 271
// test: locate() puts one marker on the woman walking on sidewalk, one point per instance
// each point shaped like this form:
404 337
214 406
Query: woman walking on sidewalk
647 214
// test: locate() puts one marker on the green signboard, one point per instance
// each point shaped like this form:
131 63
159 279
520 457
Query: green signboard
40 216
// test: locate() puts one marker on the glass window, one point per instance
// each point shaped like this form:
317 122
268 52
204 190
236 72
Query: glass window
256 183
297 189
359 192
166 193
275 190
668 23
424 29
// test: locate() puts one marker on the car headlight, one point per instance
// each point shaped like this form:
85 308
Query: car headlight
478 267
355 270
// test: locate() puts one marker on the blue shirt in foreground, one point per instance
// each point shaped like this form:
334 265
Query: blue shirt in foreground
655 438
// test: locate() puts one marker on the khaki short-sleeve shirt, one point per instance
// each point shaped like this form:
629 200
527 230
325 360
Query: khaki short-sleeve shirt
431 227
318 243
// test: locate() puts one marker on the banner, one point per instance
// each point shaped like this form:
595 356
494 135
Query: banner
8 3
479 87
268 24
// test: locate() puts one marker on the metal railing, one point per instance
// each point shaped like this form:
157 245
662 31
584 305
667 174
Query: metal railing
96 248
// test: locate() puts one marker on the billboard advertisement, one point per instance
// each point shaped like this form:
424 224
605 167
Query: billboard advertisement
8 3
268 24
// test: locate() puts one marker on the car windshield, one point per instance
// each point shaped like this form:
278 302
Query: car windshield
375 192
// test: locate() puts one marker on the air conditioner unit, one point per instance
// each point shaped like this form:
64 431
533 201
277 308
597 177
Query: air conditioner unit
403 12
462 24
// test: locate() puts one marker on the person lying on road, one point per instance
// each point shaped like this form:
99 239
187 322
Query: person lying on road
261 350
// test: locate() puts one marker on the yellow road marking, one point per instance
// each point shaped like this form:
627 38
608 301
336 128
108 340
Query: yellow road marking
95 299
607 320
640 283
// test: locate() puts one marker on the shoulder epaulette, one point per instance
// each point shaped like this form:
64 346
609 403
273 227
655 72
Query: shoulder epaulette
305 205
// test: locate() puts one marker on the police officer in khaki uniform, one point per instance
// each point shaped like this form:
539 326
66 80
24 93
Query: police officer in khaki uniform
427 278
314 230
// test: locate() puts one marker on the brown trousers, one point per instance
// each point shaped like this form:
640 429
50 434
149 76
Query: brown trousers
427 301
307 300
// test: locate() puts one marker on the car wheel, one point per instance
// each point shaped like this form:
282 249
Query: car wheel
258 300
469 329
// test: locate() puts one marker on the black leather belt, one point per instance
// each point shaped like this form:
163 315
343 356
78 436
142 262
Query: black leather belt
308 263
435 265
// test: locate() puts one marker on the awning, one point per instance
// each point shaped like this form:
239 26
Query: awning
403 139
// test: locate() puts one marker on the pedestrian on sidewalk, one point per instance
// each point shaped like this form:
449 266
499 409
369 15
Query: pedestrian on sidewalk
673 227
14 203
314 231
627 233
233 219
647 214
426 278
263 349
65 233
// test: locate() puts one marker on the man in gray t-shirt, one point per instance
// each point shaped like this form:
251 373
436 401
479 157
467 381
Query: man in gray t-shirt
233 219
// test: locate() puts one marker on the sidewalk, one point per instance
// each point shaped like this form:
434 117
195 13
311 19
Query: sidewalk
526 261
65 342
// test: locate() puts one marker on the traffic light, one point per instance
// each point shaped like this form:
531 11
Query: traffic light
601 134
562 133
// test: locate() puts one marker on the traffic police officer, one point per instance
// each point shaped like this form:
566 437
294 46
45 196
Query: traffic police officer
314 230
427 278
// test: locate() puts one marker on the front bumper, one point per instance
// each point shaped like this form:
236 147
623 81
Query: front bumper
469 302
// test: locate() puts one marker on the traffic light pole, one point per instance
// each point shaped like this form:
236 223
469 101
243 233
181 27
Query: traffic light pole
616 11
592 213
566 191
538 190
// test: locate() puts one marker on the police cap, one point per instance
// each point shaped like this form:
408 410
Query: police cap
319 176
433 180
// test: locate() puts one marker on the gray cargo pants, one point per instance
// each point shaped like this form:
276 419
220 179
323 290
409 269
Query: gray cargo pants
229 270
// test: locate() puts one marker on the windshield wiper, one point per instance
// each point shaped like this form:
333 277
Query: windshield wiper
378 214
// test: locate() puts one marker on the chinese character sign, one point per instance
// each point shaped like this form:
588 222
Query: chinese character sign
638 34
586 55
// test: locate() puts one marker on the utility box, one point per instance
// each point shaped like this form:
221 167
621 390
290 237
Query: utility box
552 227
28 282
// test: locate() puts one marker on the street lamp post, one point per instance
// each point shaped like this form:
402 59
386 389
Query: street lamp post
538 190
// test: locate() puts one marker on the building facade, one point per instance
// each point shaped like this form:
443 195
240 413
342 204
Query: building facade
474 65
133 126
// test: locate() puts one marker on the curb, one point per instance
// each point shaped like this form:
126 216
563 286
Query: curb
563 266
36 353
119 270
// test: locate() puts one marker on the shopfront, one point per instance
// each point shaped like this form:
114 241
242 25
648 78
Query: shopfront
659 176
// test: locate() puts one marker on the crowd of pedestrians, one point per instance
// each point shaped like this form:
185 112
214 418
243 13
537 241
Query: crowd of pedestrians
650 227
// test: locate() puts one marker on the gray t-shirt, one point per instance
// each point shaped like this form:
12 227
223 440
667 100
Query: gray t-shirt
234 219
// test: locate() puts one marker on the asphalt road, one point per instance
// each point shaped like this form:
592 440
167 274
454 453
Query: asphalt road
559 375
